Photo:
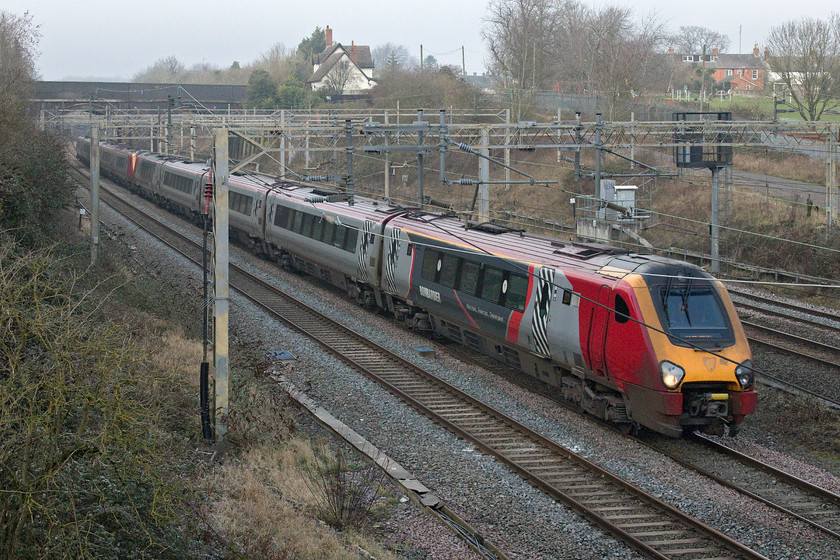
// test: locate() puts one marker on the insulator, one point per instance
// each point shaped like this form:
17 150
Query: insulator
317 199
466 182
316 178
464 147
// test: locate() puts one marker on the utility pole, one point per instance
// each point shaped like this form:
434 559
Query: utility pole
221 286
420 122
831 182
351 184
599 126
714 227
94 194
463 61
484 177
387 162
703 77
283 144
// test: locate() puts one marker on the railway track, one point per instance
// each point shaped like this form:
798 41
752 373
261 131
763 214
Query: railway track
758 480
830 320
644 522
810 350
751 477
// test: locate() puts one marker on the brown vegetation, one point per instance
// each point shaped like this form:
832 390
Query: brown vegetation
787 165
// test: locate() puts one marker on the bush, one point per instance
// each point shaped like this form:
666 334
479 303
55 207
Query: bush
34 184
86 461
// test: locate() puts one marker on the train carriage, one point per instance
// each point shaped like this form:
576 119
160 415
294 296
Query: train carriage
147 175
247 205
638 340
593 320
181 188
329 240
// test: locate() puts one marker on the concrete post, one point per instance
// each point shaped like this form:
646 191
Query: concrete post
192 143
420 135
387 162
715 233
221 286
831 182
598 127
507 148
94 194
484 177
282 144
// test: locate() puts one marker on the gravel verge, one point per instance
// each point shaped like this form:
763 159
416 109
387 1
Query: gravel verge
519 519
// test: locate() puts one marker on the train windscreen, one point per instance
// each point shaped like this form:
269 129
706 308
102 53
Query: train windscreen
693 312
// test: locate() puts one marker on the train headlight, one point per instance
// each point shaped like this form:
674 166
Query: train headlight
672 374
745 374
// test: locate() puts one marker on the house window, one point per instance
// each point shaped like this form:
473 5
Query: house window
755 74
740 72
688 58
729 72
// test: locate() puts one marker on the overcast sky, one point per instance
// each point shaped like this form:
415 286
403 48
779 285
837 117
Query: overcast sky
115 39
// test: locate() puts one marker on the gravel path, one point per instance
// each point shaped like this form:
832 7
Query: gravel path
519 519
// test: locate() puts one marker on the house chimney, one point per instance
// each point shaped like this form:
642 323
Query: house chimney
353 55
766 52
715 52
328 32
755 50
670 50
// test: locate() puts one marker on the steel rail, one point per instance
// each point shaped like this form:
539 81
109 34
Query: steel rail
642 521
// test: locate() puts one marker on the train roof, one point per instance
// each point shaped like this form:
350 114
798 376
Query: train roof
323 200
540 250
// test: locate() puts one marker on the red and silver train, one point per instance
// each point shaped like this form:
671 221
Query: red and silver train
638 340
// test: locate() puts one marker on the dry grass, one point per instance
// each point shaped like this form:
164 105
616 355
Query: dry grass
798 167
260 506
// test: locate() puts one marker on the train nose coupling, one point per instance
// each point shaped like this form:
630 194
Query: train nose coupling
709 404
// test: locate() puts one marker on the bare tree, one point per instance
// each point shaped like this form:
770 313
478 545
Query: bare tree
390 56
605 51
625 56
805 55
279 61
690 39
520 36
338 77
18 42
167 70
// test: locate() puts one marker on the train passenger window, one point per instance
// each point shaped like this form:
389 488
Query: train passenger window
449 270
318 229
491 286
622 310
430 264
329 233
281 217
340 237
469 277
247 205
297 221
306 225
352 238
517 292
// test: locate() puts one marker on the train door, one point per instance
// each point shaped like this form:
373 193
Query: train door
598 331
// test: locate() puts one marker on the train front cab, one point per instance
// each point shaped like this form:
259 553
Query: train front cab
700 377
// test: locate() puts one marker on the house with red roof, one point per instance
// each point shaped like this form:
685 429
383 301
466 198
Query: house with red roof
746 72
